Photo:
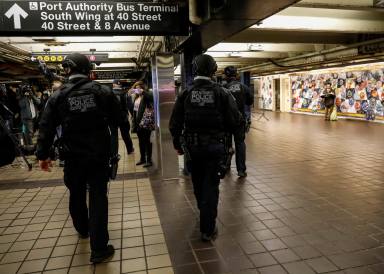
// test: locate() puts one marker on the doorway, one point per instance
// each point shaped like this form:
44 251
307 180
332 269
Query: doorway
277 94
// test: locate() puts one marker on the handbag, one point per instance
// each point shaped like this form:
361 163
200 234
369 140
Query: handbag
333 116
148 120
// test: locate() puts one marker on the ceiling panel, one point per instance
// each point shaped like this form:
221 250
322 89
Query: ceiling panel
309 26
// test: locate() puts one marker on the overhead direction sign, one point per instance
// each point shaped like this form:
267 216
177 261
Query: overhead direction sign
16 12
57 57
111 74
22 17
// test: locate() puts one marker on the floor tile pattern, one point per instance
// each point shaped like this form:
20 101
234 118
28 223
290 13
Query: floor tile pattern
312 203
37 233
37 236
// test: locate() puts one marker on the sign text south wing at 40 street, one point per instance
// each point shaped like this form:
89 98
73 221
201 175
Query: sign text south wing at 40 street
93 17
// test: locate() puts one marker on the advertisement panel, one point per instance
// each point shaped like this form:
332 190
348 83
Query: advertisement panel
359 93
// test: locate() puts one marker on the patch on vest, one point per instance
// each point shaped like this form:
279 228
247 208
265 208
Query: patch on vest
234 88
202 97
83 103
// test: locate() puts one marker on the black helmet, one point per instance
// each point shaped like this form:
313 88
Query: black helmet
204 65
77 62
230 71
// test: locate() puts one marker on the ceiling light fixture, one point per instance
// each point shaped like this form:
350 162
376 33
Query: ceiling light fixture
56 44
257 47
234 54
44 39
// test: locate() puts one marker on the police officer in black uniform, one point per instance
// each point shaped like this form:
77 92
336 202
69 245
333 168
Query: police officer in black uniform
85 110
243 97
203 115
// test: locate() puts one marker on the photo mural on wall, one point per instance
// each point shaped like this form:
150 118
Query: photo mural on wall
358 93
266 93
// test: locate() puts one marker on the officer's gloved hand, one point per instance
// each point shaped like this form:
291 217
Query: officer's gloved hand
45 165
248 125
177 146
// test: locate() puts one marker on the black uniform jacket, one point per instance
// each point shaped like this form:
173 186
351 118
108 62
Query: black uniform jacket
241 93
198 110
86 134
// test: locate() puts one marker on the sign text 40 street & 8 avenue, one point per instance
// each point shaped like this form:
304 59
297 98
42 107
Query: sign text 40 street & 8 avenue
69 17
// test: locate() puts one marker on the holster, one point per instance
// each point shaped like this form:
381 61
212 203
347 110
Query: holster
187 154
113 166
197 139
201 140
248 125
62 148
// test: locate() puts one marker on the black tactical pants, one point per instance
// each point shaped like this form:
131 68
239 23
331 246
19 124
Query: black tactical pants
205 179
240 149
77 174
124 130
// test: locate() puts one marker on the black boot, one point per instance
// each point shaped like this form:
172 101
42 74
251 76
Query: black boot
100 256
205 237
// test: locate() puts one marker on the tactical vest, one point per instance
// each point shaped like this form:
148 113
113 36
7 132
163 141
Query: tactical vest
203 110
83 110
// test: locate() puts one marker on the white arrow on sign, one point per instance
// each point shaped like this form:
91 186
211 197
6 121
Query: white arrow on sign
16 11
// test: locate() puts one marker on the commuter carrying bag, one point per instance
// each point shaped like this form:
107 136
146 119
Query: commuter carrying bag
148 120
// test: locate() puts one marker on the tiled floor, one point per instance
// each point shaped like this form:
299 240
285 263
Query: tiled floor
36 233
312 203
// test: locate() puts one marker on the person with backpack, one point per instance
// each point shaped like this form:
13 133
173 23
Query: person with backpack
85 110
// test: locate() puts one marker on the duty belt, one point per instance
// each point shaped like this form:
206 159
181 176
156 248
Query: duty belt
201 139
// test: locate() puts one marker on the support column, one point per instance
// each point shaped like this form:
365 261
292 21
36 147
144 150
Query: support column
245 79
186 59
164 98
